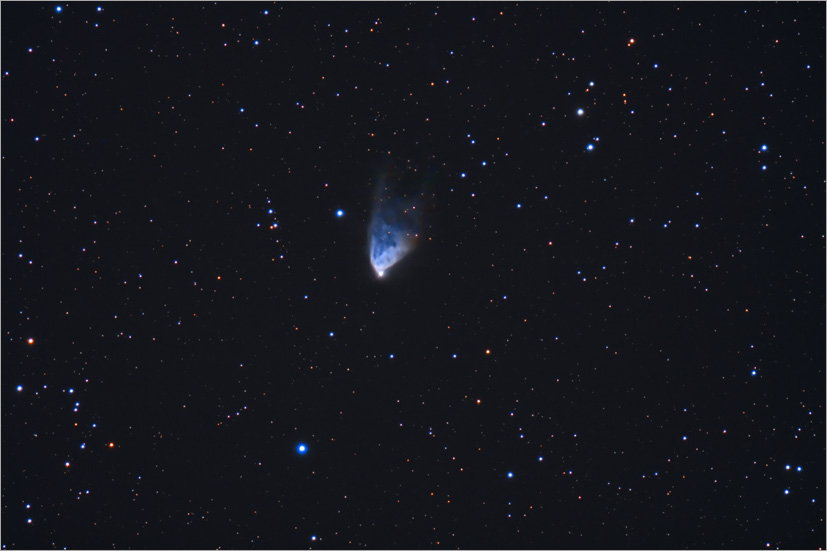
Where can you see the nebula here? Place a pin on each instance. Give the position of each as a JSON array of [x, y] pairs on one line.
[[395, 220], [391, 237]]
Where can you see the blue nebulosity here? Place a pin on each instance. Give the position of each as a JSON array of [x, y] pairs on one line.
[[395, 220], [390, 238]]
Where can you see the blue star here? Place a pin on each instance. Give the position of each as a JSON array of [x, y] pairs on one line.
[[510, 475], [340, 213], [302, 449]]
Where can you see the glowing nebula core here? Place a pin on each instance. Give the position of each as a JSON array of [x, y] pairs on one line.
[[390, 237], [395, 221]]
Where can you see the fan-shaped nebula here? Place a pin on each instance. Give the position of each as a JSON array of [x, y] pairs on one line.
[[391, 236], [394, 223]]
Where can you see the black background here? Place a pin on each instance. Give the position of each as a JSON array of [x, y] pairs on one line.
[[603, 309]]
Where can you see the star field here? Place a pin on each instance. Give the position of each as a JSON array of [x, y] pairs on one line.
[[607, 329]]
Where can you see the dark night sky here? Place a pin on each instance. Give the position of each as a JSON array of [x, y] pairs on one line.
[[609, 332]]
